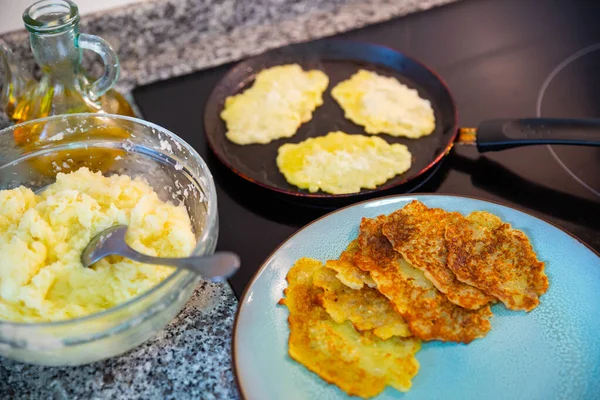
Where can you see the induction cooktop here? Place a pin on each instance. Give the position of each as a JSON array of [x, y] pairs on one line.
[[501, 59]]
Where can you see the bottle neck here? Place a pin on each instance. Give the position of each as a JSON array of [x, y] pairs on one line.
[[53, 27], [57, 53]]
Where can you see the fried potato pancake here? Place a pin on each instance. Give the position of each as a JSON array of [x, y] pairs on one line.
[[366, 309], [358, 363], [429, 314], [487, 253], [417, 232], [281, 99], [340, 163], [384, 105], [348, 273]]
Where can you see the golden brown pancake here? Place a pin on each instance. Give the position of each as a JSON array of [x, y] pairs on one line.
[[487, 253], [366, 309], [429, 314], [358, 363], [417, 232], [348, 273]]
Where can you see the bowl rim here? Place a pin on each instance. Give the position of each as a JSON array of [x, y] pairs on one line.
[[211, 223]]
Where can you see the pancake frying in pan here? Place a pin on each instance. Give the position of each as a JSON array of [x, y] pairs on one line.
[[339, 60]]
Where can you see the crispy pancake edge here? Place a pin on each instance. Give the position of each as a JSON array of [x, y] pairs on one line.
[[416, 232], [501, 237], [378, 257]]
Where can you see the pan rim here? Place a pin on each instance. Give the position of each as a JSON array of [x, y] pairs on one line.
[[322, 195]]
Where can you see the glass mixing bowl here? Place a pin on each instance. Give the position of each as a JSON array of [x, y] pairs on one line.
[[32, 153]]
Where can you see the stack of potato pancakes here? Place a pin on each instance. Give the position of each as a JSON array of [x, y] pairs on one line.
[[417, 274]]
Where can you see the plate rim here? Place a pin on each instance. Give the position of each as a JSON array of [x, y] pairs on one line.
[[241, 301], [320, 194]]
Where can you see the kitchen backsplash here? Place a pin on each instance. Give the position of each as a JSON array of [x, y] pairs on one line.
[[160, 39], [12, 10]]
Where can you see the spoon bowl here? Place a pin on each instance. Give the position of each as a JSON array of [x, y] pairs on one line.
[[216, 267]]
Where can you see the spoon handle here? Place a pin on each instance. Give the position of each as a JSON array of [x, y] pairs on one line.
[[216, 267]]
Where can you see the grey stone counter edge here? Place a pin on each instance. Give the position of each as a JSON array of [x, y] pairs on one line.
[[162, 39]]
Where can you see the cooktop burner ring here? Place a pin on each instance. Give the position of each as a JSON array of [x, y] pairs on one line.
[[561, 66]]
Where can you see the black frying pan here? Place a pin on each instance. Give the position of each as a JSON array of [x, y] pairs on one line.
[[340, 59]]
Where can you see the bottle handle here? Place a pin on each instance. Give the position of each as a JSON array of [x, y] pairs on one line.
[[111, 64]]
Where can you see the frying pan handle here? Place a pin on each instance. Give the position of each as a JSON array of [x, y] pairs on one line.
[[503, 134]]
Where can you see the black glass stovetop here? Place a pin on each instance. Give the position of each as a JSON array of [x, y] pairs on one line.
[[501, 59]]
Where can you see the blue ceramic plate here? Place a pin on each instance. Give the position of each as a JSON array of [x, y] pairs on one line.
[[552, 352]]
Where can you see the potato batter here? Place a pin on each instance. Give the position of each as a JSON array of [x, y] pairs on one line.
[[339, 163], [280, 100], [384, 105], [42, 237]]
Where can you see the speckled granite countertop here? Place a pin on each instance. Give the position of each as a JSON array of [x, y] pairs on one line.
[[157, 40], [190, 358]]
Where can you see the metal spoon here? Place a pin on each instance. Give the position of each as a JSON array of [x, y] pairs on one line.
[[216, 267]]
